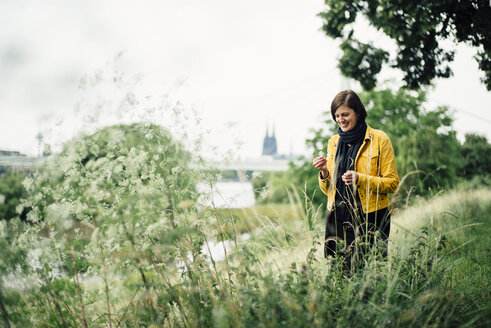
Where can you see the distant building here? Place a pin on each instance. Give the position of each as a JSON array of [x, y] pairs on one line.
[[270, 161], [270, 147], [10, 153], [16, 161]]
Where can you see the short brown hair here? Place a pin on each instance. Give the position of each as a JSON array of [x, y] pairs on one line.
[[350, 99]]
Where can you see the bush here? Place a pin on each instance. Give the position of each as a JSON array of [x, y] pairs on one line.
[[112, 173], [110, 205], [11, 193], [476, 156]]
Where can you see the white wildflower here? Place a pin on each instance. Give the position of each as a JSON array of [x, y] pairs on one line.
[[2, 229], [257, 174], [18, 209]]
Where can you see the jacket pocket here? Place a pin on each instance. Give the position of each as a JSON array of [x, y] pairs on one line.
[[368, 163]]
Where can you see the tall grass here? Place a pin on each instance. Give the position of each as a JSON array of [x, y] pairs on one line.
[[437, 274]]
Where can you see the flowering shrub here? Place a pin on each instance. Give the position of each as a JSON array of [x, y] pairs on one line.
[[112, 204], [101, 177]]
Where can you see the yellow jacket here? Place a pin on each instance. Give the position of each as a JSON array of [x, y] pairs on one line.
[[375, 164]]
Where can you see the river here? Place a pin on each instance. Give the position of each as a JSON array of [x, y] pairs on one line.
[[232, 194]]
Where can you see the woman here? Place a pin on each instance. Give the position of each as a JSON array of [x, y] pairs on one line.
[[358, 173]]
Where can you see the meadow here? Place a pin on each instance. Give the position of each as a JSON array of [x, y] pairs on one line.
[[437, 273], [114, 237]]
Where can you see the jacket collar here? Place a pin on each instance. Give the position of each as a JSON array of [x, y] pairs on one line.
[[369, 133]]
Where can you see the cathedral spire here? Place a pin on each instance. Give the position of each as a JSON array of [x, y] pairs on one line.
[[269, 143]]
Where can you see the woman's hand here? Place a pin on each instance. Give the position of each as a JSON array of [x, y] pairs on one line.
[[350, 177], [320, 163]]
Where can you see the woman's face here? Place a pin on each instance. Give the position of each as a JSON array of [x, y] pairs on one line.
[[346, 118]]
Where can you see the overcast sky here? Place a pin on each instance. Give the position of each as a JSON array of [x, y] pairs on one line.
[[240, 64]]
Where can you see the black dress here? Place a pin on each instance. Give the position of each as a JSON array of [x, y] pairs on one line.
[[347, 222], [355, 228]]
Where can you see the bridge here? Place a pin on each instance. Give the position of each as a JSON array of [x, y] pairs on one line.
[[242, 168], [256, 164], [259, 164], [19, 163]]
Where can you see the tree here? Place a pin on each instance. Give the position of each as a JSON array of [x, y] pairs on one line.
[[418, 28], [418, 136], [476, 155]]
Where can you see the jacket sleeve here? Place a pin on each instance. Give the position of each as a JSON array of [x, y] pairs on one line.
[[325, 183], [388, 179]]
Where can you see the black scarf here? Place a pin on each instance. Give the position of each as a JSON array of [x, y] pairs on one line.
[[345, 158]]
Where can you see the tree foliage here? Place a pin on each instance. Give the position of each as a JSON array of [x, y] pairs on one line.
[[418, 28], [418, 136], [11, 193], [271, 187], [476, 155]]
